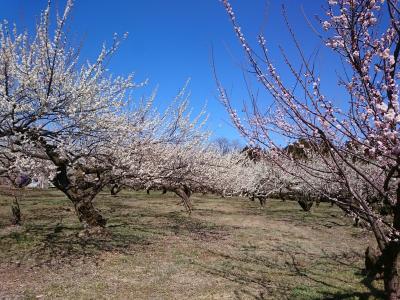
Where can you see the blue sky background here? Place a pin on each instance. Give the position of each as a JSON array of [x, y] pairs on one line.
[[170, 41]]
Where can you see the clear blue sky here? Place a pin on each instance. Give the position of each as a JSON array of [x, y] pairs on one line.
[[170, 41]]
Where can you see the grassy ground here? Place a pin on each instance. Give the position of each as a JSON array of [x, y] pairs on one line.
[[227, 249]]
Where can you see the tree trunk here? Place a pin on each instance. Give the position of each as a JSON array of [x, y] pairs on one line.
[[391, 256], [185, 193], [81, 194], [281, 195], [87, 214], [263, 200], [115, 189], [16, 212], [305, 204], [391, 271], [372, 259]]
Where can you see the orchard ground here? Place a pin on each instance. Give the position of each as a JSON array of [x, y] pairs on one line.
[[227, 249]]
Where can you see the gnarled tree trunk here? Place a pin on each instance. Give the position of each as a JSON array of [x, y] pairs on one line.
[[185, 193], [81, 193], [391, 255], [87, 214], [19, 183], [305, 204], [115, 189]]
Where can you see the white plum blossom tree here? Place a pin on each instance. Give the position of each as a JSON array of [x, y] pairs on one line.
[[76, 119]]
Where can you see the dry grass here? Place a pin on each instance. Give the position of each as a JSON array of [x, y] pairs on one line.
[[227, 249]]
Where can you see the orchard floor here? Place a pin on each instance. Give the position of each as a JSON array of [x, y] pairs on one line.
[[227, 249]]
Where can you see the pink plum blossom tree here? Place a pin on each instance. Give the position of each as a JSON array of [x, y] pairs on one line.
[[353, 147]]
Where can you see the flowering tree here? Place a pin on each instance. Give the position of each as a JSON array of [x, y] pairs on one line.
[[356, 146], [165, 152], [77, 120], [185, 168], [226, 146]]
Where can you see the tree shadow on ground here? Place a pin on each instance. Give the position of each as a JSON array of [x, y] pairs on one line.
[[171, 222], [267, 276], [59, 244], [184, 225]]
